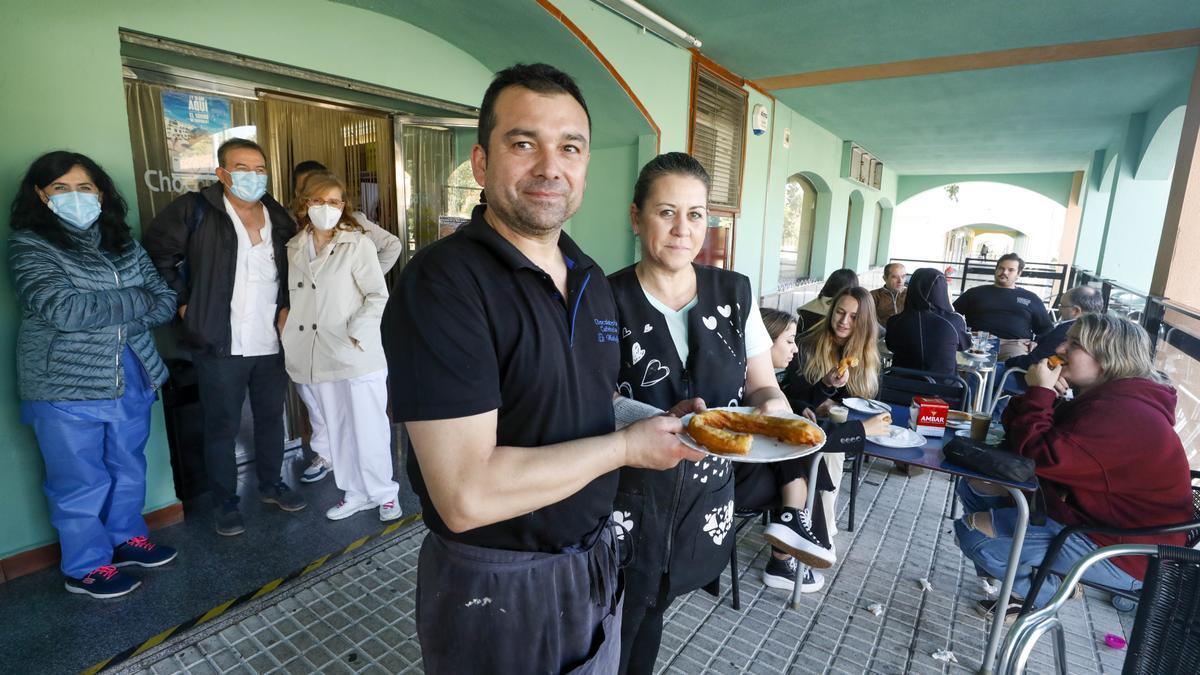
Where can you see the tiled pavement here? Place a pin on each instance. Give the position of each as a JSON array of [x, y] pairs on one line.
[[357, 616]]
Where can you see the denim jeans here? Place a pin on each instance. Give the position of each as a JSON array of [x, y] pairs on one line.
[[990, 554]]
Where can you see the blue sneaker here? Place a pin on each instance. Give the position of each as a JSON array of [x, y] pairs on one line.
[[103, 582], [316, 471], [141, 553]]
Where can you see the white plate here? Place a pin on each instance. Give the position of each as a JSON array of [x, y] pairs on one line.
[[972, 354], [899, 437], [955, 424], [866, 405], [764, 449]]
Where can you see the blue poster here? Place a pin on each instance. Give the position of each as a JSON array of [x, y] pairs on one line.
[[193, 125]]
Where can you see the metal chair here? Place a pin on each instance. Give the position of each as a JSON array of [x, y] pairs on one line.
[[1166, 629], [1045, 569], [742, 518], [999, 393]]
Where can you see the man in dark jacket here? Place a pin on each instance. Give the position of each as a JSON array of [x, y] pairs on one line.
[[1075, 303], [1012, 314], [223, 251]]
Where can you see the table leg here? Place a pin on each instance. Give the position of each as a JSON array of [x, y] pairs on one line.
[[808, 504], [1010, 574]]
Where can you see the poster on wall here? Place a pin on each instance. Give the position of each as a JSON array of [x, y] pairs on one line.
[[194, 128]]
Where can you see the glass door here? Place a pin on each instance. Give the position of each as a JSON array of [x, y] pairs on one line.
[[437, 189]]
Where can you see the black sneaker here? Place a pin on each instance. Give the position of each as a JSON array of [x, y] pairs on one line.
[[791, 531], [103, 582], [986, 608], [282, 496], [229, 522], [782, 574], [140, 552]]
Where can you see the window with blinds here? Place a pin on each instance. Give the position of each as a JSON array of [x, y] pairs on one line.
[[718, 135]]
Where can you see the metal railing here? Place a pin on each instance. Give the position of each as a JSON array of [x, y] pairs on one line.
[[1174, 331]]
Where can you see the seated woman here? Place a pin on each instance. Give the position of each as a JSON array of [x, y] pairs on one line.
[[927, 334], [849, 330], [811, 313], [793, 532], [1109, 457]]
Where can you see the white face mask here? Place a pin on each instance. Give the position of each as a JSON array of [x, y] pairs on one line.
[[324, 217]]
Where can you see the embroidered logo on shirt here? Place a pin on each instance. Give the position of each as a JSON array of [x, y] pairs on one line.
[[606, 330], [1023, 301]]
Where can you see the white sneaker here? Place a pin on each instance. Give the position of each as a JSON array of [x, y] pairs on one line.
[[390, 511], [345, 509], [316, 471]]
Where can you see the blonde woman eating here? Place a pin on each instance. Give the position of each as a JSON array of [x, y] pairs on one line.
[[332, 348], [849, 331]]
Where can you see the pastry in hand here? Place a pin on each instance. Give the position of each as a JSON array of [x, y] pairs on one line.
[[846, 364], [1055, 361]]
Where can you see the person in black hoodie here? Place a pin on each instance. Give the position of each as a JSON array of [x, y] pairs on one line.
[[691, 336], [928, 334]]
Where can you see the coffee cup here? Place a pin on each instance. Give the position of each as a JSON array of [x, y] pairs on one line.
[[839, 414], [980, 423]]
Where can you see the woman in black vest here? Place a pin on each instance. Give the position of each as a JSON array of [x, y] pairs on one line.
[[690, 335]]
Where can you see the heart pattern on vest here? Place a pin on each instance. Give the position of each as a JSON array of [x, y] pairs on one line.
[[625, 390], [638, 353], [625, 332], [724, 310], [710, 322], [647, 328], [655, 372]]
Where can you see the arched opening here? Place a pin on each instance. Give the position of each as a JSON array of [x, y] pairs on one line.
[[881, 250], [854, 223], [949, 223], [799, 225]]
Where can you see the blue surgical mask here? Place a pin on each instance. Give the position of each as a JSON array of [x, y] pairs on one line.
[[80, 209], [248, 186]]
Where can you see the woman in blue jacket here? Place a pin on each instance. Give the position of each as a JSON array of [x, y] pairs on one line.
[[87, 367]]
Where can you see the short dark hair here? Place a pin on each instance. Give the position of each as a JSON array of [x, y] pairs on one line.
[[29, 212], [235, 144], [1087, 299], [838, 281], [307, 166], [667, 164], [1012, 256], [887, 269], [536, 77]]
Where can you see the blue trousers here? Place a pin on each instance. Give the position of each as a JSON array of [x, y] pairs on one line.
[[95, 468], [990, 554]]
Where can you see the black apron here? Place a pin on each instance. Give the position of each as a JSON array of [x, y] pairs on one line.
[[487, 610], [680, 521]]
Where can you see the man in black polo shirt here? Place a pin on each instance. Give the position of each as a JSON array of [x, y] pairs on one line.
[[1012, 314], [504, 357]]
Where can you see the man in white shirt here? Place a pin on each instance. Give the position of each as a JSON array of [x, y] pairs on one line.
[[222, 250]]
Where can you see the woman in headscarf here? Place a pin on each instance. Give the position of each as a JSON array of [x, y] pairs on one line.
[[928, 334]]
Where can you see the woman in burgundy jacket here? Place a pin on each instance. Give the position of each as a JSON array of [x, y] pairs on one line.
[[1109, 457]]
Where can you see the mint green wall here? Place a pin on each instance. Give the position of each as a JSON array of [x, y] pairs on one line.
[[1135, 216], [1097, 193], [601, 226], [657, 72], [71, 96], [753, 223]]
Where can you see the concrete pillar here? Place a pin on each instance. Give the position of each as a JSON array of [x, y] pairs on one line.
[[1174, 269], [1070, 235]]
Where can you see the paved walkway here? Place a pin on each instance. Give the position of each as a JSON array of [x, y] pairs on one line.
[[357, 615]]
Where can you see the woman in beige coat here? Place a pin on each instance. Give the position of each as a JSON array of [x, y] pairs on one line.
[[332, 348]]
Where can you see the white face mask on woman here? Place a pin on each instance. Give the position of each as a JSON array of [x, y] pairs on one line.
[[324, 217]]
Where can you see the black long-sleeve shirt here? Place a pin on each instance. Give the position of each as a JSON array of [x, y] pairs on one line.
[[1007, 313]]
